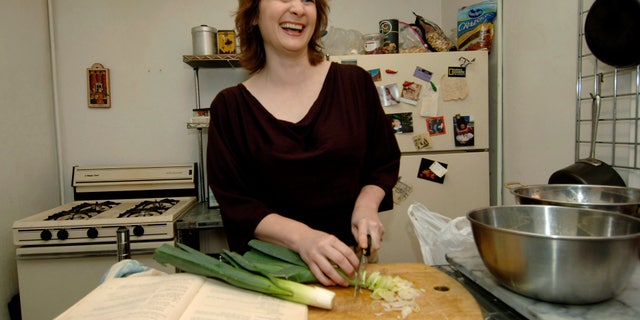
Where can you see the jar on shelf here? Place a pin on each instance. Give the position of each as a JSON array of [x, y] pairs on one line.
[[202, 39], [372, 43]]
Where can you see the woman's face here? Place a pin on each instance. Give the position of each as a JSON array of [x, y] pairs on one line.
[[287, 25]]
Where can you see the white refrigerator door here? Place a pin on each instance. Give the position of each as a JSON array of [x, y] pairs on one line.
[[396, 69], [465, 188]]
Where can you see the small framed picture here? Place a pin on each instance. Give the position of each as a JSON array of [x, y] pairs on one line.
[[98, 87]]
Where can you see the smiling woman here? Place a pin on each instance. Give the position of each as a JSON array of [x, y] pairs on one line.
[[300, 154], [253, 56]]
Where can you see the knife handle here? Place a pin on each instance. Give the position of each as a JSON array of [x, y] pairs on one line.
[[368, 251]]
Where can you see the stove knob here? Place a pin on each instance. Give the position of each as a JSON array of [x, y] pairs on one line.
[[45, 235], [138, 231], [92, 233], [62, 234]]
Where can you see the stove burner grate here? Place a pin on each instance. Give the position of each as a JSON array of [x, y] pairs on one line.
[[83, 211], [149, 208]]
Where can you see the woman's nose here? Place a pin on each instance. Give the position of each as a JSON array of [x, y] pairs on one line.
[[296, 7]]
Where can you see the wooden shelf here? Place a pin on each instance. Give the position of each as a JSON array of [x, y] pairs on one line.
[[194, 125], [212, 61]]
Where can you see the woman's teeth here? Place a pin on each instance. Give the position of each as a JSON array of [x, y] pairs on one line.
[[291, 26]]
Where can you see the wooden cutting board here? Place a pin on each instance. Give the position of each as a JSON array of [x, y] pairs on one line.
[[443, 297]]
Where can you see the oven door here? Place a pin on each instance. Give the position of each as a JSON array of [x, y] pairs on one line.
[[51, 279]]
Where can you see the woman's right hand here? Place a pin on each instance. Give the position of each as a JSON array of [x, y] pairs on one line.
[[324, 252]]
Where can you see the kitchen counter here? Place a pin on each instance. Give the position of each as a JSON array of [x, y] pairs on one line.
[[200, 217], [624, 306], [201, 228]]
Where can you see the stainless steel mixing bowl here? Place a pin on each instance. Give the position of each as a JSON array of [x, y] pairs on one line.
[[558, 254], [610, 198]]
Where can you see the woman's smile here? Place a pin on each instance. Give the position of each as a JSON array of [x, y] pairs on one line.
[[292, 28]]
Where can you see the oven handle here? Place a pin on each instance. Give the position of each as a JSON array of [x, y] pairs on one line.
[[86, 251], [88, 254]]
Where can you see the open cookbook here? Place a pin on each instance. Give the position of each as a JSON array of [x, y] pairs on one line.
[[179, 296]]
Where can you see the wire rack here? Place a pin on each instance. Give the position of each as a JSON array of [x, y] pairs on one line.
[[617, 142]]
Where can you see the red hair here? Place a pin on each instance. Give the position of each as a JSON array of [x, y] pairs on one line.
[[252, 52]]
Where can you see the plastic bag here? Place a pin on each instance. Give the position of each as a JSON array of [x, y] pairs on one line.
[[340, 41], [410, 40], [433, 35], [439, 235]]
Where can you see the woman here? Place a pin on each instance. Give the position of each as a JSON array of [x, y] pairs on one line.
[[300, 154]]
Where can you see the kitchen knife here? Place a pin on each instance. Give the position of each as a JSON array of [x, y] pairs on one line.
[[364, 257]]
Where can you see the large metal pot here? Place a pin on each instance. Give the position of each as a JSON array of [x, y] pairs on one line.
[[558, 254], [624, 200]]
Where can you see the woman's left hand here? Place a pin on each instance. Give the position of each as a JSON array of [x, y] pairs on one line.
[[367, 222], [365, 219]]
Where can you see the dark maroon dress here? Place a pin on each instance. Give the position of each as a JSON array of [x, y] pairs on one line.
[[310, 171]]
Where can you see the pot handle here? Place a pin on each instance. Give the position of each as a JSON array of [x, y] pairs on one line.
[[595, 115], [513, 184]]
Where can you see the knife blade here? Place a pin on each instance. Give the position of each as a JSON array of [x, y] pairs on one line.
[[364, 257]]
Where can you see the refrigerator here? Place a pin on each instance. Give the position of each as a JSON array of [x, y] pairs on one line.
[[438, 103]]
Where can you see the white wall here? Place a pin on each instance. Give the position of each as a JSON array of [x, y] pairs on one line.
[[28, 171], [540, 40]]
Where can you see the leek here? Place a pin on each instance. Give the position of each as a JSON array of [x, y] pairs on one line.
[[277, 251], [238, 274], [279, 268], [193, 261]]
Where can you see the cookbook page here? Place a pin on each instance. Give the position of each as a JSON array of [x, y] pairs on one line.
[[149, 297], [218, 300]]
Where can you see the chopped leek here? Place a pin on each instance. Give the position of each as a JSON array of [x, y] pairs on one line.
[[396, 294]]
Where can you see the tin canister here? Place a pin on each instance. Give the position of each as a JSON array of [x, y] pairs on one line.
[[389, 30], [203, 38], [226, 42]]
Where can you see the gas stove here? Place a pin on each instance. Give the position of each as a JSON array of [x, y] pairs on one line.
[[97, 221], [117, 212], [152, 199]]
